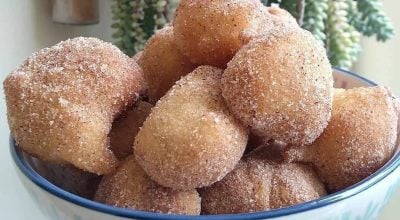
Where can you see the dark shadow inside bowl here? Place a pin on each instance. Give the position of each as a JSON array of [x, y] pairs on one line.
[[65, 176]]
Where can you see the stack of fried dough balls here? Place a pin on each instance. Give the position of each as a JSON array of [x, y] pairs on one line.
[[262, 181], [229, 109]]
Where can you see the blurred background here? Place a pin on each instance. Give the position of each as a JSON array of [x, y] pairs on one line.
[[27, 26]]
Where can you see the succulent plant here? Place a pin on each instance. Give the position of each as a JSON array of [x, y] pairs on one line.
[[339, 24], [136, 20]]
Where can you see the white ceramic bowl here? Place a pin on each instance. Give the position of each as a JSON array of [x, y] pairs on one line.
[[364, 200]]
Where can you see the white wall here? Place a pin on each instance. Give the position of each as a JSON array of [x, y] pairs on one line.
[[26, 26], [380, 61]]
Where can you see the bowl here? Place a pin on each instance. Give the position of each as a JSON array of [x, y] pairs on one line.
[[364, 200]]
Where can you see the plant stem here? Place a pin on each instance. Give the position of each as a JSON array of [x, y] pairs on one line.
[[300, 11]]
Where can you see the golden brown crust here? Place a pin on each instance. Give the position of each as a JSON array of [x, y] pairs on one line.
[[359, 139], [211, 32], [293, 184], [281, 86], [130, 187], [261, 182], [246, 189], [163, 64], [62, 100], [126, 127], [281, 18], [190, 139]]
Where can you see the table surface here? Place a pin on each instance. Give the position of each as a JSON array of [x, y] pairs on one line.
[[16, 204]]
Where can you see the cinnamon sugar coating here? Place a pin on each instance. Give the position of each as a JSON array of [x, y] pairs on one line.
[[211, 32], [163, 64], [281, 18], [360, 138], [130, 187], [262, 182], [281, 86], [190, 139], [62, 100]]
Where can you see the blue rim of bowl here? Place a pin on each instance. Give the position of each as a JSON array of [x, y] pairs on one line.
[[379, 175]]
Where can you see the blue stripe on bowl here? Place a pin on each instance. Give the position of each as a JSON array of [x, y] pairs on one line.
[[28, 171], [367, 81]]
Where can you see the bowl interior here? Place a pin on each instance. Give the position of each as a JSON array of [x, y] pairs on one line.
[[51, 178]]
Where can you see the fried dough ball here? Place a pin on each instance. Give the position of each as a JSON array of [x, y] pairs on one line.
[[246, 189], [295, 183], [281, 86], [292, 183], [130, 187], [190, 139], [281, 18], [261, 182], [62, 101], [211, 32], [163, 64], [359, 139], [126, 127]]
